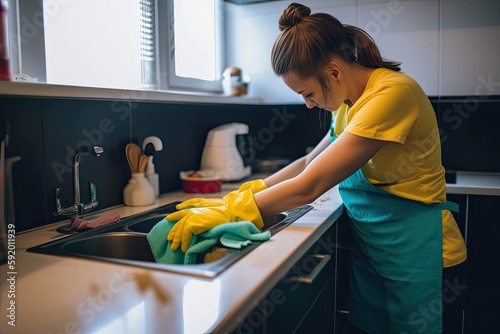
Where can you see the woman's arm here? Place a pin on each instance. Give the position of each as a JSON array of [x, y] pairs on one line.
[[338, 161], [296, 167]]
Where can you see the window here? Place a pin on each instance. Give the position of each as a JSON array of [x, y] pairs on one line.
[[193, 45], [124, 44], [90, 43]]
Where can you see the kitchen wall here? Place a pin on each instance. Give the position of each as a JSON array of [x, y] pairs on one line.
[[451, 47], [46, 132]]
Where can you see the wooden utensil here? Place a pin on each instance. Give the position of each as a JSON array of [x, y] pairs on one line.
[[143, 161], [133, 153]]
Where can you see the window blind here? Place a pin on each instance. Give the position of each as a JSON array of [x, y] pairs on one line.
[[148, 44]]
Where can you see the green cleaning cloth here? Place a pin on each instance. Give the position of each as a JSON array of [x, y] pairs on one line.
[[232, 235]]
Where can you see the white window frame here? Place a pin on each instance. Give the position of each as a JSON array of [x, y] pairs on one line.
[[167, 79]]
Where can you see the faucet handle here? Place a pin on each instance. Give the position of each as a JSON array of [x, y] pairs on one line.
[[98, 150], [74, 209], [58, 200], [93, 192], [80, 209], [93, 199]]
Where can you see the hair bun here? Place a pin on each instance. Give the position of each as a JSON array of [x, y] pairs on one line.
[[292, 15]]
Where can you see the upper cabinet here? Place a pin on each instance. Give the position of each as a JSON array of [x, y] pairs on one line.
[[470, 47], [406, 31], [450, 47]]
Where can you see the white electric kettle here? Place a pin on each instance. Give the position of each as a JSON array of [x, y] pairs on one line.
[[228, 152]]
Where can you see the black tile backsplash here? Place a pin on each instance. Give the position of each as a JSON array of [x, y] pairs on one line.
[[469, 133], [283, 131], [24, 116], [70, 126], [46, 133]]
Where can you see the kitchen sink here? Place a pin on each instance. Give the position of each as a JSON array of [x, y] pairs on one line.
[[118, 245], [126, 242]]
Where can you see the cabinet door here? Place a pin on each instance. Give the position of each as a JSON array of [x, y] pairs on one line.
[[293, 306], [343, 257], [483, 304], [320, 317], [307, 303]]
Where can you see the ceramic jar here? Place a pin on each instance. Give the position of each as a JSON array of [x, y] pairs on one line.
[[138, 191]]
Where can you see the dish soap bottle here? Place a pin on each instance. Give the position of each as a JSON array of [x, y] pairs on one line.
[[152, 176], [151, 145]]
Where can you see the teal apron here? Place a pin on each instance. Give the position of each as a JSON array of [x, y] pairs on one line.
[[396, 260]]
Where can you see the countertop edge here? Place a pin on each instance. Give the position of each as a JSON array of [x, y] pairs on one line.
[[471, 183]]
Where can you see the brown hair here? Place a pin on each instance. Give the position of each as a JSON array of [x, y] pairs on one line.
[[307, 43]]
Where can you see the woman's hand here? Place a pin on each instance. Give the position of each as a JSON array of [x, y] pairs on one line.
[[239, 207]]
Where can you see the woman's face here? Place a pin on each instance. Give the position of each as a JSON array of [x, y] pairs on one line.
[[311, 91]]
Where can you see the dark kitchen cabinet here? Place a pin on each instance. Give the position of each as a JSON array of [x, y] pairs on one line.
[[344, 240], [304, 299], [483, 229], [309, 306], [479, 219]]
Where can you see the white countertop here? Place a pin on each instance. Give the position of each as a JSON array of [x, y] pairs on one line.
[[53, 294], [469, 183]]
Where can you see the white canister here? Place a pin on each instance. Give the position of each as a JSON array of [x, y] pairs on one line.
[[232, 81], [138, 191]]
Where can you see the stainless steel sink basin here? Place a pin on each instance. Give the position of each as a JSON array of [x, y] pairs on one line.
[[144, 225], [119, 245], [126, 242]]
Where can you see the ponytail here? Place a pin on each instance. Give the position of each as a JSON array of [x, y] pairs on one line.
[[366, 51]]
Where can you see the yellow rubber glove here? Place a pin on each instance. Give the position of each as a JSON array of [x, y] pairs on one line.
[[201, 202], [239, 207], [255, 185]]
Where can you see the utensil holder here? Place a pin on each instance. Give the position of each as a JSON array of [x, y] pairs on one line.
[[138, 191]]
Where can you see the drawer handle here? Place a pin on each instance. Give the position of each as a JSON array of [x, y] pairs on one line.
[[315, 272]]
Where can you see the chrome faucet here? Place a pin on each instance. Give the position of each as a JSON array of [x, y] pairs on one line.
[[78, 209]]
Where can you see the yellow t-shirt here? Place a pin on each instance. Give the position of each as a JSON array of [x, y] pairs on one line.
[[394, 108]]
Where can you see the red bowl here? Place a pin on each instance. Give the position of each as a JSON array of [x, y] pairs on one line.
[[208, 183], [201, 186]]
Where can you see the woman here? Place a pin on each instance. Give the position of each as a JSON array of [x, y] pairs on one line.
[[384, 153]]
